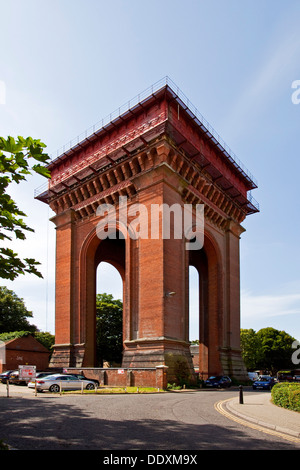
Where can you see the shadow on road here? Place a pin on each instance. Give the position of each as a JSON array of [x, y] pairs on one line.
[[49, 424]]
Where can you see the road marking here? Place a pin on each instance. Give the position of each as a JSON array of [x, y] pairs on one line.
[[219, 407]]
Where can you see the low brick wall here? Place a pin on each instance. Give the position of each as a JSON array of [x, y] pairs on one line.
[[118, 377]]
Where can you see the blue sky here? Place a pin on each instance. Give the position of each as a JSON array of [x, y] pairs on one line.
[[64, 65]]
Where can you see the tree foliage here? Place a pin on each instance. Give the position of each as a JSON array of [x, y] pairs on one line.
[[275, 349], [13, 313], [45, 338], [268, 349], [13, 335], [109, 338], [15, 159], [250, 348]]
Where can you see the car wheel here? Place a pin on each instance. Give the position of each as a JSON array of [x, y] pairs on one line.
[[54, 388], [90, 386]]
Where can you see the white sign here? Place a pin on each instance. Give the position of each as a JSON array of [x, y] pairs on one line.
[[27, 372], [120, 371]]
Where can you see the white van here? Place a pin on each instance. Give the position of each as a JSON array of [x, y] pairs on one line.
[[253, 376]]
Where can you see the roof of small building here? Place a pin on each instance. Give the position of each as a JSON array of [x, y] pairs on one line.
[[25, 343]]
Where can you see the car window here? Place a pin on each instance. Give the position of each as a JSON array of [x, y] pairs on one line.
[[72, 378]]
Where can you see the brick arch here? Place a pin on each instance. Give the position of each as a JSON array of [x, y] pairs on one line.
[[93, 252], [208, 263]]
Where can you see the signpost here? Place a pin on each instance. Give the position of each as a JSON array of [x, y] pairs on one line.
[[27, 373]]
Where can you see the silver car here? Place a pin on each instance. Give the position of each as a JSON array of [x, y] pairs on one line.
[[58, 382]]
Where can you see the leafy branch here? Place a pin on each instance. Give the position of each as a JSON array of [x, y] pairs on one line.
[[15, 158]]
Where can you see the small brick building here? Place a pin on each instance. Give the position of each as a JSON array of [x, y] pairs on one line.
[[25, 350]]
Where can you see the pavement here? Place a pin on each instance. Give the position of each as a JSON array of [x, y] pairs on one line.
[[257, 410]]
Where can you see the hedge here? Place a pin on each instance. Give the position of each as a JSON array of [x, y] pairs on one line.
[[287, 395]]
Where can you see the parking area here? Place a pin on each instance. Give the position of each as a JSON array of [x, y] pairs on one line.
[[15, 390]]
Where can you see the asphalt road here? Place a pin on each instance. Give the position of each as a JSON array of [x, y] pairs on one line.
[[161, 422]]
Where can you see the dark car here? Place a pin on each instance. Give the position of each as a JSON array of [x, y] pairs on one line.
[[264, 382], [40, 375], [5, 376], [82, 377], [14, 378], [218, 381]]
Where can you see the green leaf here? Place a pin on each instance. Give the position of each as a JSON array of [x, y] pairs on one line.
[[14, 167]]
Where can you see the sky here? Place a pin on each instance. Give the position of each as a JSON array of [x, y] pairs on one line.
[[65, 65]]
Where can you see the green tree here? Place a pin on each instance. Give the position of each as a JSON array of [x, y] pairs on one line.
[[275, 349], [109, 338], [250, 347], [45, 338], [15, 159], [13, 313], [268, 349]]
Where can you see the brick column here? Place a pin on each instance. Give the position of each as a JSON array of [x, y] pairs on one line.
[[63, 348], [161, 336], [231, 352]]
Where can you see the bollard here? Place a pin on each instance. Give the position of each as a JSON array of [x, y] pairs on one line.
[[7, 388], [241, 394]]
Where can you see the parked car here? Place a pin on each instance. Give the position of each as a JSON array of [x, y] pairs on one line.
[[253, 376], [83, 377], [219, 381], [264, 382], [57, 382], [5, 376], [40, 375], [14, 378]]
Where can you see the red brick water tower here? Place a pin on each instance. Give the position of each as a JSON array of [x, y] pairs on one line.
[[156, 150]]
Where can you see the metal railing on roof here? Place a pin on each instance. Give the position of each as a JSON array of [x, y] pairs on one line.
[[196, 115], [252, 201]]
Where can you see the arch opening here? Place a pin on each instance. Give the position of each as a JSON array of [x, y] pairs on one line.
[[194, 304], [110, 284], [98, 256], [198, 309], [109, 315]]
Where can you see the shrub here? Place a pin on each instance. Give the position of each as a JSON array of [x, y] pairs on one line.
[[295, 399], [287, 395]]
